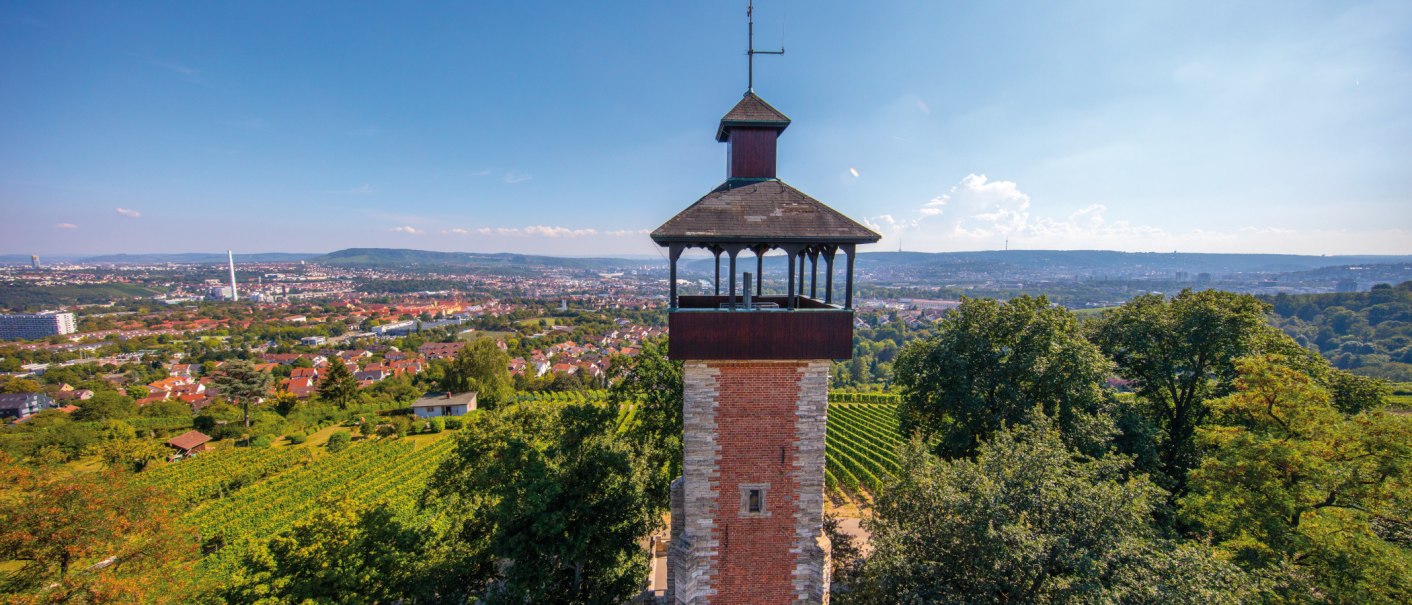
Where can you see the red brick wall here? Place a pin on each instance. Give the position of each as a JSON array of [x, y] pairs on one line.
[[756, 417]]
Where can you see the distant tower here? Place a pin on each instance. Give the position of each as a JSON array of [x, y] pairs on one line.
[[234, 295], [747, 513], [34, 262]]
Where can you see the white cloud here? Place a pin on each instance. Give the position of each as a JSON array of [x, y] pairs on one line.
[[978, 214], [482, 172], [514, 177], [922, 105], [128, 212], [456, 231], [66, 226], [408, 229], [557, 232]]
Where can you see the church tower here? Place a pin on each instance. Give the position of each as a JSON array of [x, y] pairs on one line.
[[747, 513]]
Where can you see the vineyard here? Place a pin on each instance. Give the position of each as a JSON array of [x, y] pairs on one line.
[[592, 396], [238, 496], [234, 507], [861, 447]]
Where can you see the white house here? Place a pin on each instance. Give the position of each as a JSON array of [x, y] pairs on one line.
[[444, 404]]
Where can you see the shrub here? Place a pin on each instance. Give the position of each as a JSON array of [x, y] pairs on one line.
[[339, 441], [436, 424], [261, 441], [454, 423], [401, 424], [297, 438]]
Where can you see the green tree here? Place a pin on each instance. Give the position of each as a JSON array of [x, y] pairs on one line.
[[242, 384], [104, 405], [651, 384], [1179, 353], [344, 553], [543, 505], [990, 363], [482, 367], [1029, 521], [338, 385], [1291, 482], [339, 441], [20, 385], [131, 454]]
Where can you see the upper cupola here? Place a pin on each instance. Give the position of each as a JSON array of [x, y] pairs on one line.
[[751, 129]]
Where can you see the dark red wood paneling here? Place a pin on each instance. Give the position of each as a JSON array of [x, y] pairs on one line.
[[740, 335], [752, 153]]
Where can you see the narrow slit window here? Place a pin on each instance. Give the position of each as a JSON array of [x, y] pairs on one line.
[[753, 505]]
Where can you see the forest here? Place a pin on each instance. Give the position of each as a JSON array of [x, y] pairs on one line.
[[1369, 333]]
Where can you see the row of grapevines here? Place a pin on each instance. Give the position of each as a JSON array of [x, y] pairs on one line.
[[220, 472], [861, 446], [879, 398], [563, 396], [384, 471]]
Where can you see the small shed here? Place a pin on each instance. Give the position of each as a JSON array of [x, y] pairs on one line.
[[188, 443], [444, 404]]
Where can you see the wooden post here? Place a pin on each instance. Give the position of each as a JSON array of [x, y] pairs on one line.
[[814, 274], [675, 253], [848, 287], [717, 252], [732, 252], [828, 276], [789, 295], [760, 269]]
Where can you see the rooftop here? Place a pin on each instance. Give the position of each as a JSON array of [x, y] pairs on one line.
[[761, 211], [442, 399], [751, 111]]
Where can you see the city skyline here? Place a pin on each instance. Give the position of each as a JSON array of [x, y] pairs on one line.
[[552, 129]]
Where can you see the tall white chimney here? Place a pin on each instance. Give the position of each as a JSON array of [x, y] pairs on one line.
[[234, 295]]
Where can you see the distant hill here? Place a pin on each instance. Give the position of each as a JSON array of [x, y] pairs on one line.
[[1107, 260], [195, 258], [1080, 262], [393, 257]]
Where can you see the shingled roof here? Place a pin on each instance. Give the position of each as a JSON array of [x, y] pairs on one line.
[[188, 440], [760, 211], [751, 111]]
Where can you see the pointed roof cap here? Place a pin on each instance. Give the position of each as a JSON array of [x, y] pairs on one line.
[[751, 111], [765, 211]]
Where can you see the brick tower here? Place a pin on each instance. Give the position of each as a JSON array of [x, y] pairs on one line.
[[747, 513]]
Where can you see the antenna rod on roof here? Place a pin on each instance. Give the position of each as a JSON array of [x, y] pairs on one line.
[[750, 51]]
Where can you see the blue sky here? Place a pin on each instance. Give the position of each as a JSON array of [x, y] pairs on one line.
[[574, 128]]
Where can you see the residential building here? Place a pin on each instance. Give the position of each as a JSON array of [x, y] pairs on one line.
[[444, 404], [19, 405], [26, 326]]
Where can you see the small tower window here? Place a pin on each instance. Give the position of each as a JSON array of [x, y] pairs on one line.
[[754, 499]]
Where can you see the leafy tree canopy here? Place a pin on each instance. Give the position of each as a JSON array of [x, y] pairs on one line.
[[652, 385], [544, 505], [1293, 483], [989, 363], [1179, 353], [1030, 521], [482, 367]]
